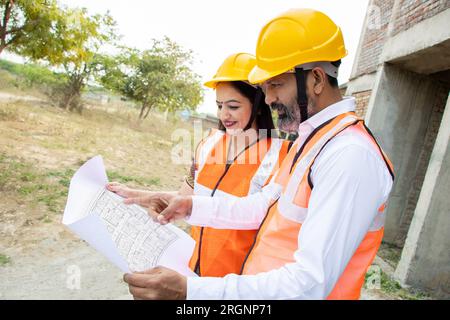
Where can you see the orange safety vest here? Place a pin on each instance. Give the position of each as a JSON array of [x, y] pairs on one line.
[[277, 238], [219, 252]]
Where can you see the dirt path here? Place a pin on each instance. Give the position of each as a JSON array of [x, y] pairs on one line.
[[49, 270], [14, 97]]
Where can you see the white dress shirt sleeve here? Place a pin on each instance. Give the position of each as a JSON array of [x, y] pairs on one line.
[[350, 183], [240, 213]]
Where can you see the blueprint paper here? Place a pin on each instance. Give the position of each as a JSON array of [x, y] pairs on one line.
[[125, 234]]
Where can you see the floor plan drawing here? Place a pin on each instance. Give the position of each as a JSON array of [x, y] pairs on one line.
[[123, 234], [140, 241]]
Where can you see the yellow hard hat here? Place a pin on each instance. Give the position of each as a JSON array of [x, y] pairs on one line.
[[235, 68], [296, 37]]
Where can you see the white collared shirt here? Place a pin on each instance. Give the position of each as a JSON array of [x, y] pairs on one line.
[[351, 181]]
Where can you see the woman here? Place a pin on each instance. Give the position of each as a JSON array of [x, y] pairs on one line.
[[235, 160]]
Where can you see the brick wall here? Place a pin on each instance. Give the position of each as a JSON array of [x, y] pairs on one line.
[[412, 12], [437, 109], [377, 22], [378, 17], [362, 101]]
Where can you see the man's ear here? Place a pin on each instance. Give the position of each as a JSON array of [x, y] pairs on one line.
[[319, 80]]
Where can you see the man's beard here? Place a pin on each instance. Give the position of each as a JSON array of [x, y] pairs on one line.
[[289, 119]]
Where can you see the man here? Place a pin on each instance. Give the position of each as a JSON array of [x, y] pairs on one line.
[[321, 218]]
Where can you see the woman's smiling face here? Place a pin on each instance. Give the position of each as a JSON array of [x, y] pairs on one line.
[[234, 109]]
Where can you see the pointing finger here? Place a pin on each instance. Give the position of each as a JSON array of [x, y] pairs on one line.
[[162, 219], [167, 214]]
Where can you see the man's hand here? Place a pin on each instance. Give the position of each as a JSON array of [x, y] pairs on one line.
[[179, 207], [155, 202], [157, 284], [164, 207]]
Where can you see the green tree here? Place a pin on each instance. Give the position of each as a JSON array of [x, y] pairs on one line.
[[82, 36], [30, 28], [158, 78], [66, 38]]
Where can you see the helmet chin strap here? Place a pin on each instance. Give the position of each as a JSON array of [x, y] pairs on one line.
[[258, 97], [300, 76]]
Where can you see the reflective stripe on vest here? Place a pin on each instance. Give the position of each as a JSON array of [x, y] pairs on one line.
[[205, 147], [277, 239], [220, 252]]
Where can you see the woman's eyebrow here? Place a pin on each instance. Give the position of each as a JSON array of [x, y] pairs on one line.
[[228, 101]]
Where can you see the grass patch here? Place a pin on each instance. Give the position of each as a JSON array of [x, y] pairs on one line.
[[4, 259], [389, 285], [26, 190], [55, 145], [146, 182], [392, 287], [27, 75], [45, 219], [390, 253], [4, 178], [49, 188], [6, 114], [52, 201], [63, 176], [28, 176], [10, 171]]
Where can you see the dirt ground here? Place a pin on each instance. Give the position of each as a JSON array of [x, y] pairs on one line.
[[40, 148]]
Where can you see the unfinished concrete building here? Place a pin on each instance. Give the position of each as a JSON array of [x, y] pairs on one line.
[[401, 81]]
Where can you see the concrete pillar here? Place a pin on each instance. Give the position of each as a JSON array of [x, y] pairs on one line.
[[425, 260], [400, 114]]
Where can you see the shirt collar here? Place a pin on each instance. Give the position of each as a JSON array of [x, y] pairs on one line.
[[345, 105]]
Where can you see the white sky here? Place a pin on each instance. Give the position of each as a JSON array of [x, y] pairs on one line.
[[214, 29]]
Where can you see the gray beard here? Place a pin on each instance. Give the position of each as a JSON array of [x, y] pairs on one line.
[[288, 121]]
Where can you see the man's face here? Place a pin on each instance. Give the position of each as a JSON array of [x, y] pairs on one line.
[[281, 95]]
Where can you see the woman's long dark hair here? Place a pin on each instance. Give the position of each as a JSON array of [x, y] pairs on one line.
[[260, 110]]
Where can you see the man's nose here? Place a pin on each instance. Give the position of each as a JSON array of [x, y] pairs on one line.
[[270, 97]]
